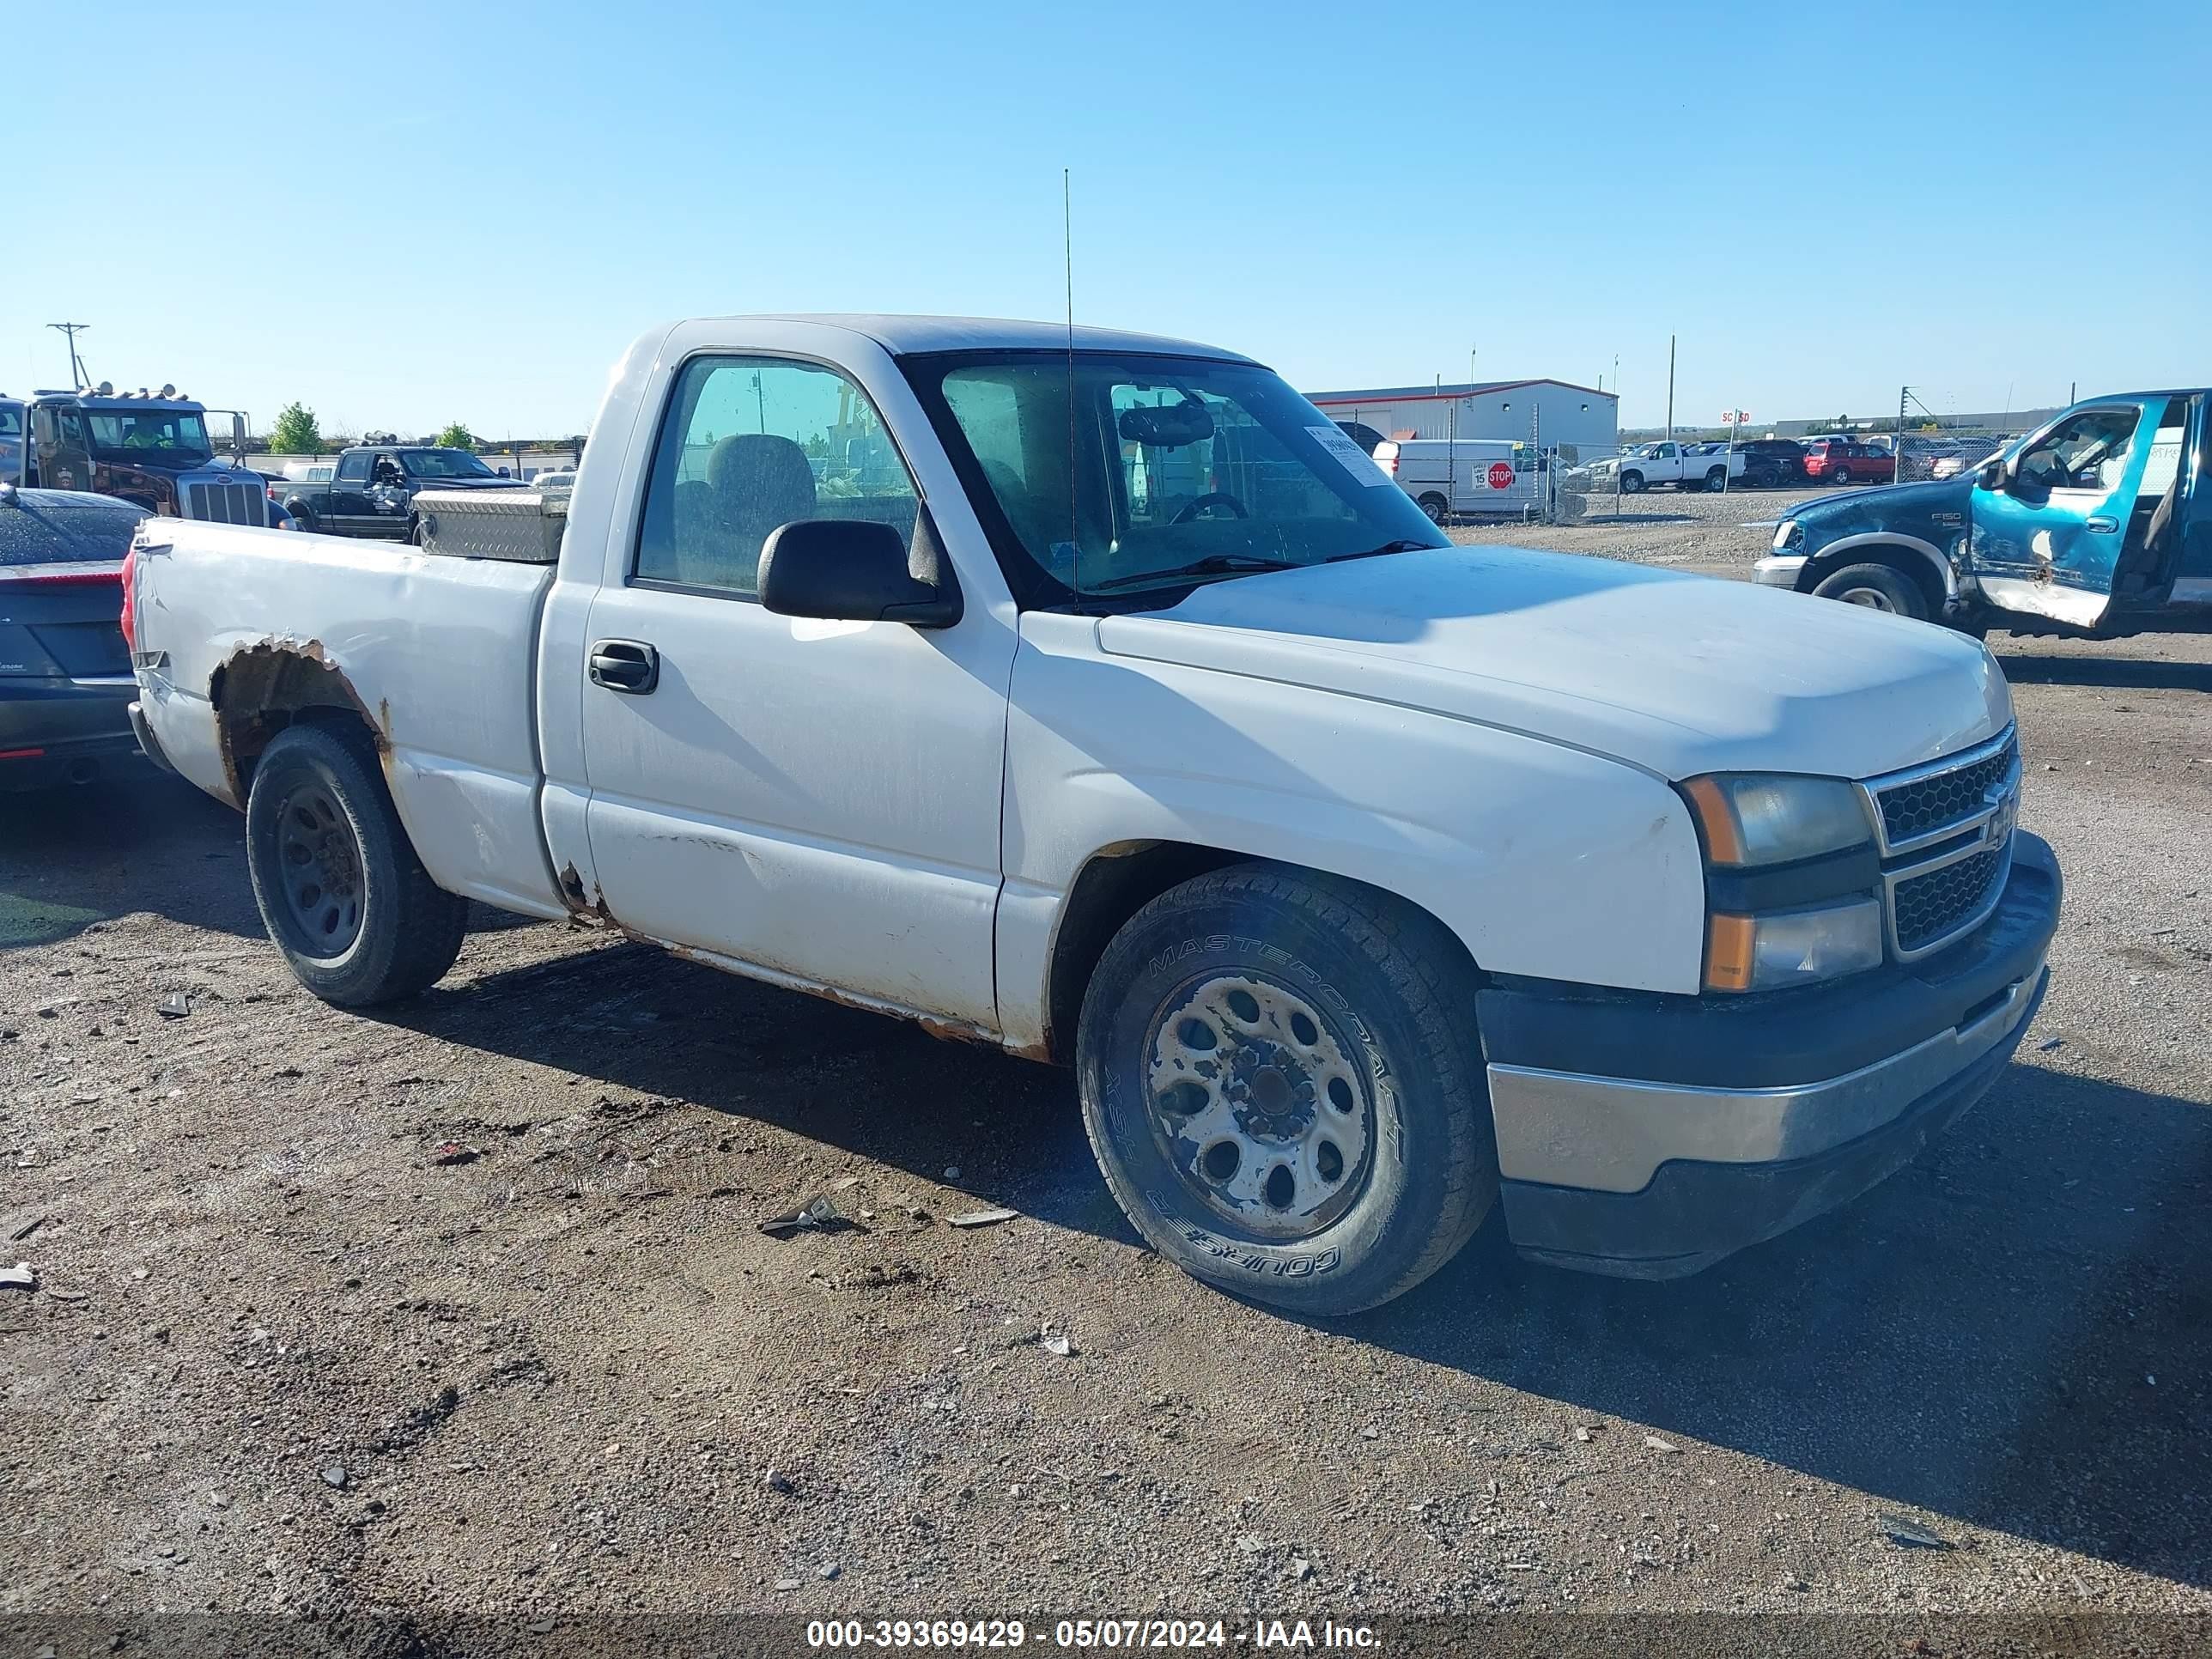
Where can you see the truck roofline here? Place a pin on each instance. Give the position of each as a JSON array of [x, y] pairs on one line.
[[906, 336]]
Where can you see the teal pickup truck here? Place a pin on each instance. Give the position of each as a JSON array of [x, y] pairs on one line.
[[2099, 522]]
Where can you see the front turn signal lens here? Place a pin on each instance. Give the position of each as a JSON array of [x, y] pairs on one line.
[[1730, 944], [1783, 948]]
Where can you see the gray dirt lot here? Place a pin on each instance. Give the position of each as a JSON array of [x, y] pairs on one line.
[[281, 1359]]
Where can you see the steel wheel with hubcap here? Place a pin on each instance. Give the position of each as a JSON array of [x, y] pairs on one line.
[[1256, 1104], [338, 884], [318, 869], [1437, 507], [1281, 1078]]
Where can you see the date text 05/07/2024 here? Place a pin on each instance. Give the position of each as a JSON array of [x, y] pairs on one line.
[[1088, 1634]]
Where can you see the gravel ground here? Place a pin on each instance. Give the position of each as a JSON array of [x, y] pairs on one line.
[[289, 1354]]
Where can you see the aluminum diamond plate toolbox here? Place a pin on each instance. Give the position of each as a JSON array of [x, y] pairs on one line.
[[522, 527]]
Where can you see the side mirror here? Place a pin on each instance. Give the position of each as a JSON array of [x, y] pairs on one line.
[[856, 570], [238, 436], [1992, 474]]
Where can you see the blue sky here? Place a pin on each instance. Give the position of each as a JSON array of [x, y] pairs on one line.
[[402, 214]]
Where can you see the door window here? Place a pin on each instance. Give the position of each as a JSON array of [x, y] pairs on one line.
[[2088, 450], [354, 469], [750, 444]]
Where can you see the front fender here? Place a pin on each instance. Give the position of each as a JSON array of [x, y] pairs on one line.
[[1545, 860], [1849, 550]]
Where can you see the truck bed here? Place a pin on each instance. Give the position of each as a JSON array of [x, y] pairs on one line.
[[447, 643]]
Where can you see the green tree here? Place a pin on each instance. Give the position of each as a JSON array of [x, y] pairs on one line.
[[457, 436], [294, 432]]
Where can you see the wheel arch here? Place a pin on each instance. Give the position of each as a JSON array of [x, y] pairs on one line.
[[262, 688], [1118, 880], [1921, 560]]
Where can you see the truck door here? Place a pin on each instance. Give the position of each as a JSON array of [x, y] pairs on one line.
[[2192, 551], [2050, 524], [347, 508], [819, 800], [60, 454]]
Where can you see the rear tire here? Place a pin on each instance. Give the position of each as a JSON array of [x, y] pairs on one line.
[[1716, 480], [1339, 1149], [302, 519], [339, 887], [1437, 507], [1878, 587]]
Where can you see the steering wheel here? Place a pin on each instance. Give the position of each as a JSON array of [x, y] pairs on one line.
[[1211, 498]]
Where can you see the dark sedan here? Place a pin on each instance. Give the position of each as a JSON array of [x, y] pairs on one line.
[[66, 681]]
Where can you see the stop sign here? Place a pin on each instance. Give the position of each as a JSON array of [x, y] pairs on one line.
[[1501, 474]]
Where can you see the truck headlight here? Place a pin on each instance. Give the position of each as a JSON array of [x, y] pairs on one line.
[[1785, 534], [1748, 819], [1791, 875]]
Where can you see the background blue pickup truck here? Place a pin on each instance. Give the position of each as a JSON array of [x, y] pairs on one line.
[[2098, 522]]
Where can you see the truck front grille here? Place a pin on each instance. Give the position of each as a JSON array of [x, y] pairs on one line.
[[1945, 832], [1932, 906], [227, 503], [1932, 802]]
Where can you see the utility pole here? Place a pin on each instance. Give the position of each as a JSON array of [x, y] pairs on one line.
[[76, 363], [1670, 388], [1897, 443]]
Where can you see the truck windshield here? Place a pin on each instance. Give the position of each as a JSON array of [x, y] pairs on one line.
[[124, 434], [1177, 463], [447, 463]]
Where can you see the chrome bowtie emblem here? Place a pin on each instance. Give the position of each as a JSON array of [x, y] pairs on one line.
[[2004, 813]]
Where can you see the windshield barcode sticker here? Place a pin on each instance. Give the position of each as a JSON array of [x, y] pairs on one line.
[[1356, 461]]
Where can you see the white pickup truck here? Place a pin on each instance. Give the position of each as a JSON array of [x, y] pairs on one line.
[[1649, 464], [1096, 698]]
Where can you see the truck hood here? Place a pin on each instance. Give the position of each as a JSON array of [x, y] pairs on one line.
[[1881, 505], [1674, 673]]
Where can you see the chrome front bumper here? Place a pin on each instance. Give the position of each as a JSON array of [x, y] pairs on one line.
[[1779, 570], [1612, 1134], [1651, 1136]]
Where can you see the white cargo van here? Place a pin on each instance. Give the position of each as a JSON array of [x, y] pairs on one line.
[[1450, 478]]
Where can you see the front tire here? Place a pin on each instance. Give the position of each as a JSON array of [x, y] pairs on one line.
[[1631, 483], [1280, 1079], [1878, 587], [339, 887]]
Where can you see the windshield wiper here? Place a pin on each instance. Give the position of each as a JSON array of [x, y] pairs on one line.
[[1403, 544], [1213, 564]]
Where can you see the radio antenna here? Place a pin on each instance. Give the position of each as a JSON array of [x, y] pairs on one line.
[[1067, 263]]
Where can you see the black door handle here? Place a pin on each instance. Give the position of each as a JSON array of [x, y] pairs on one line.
[[630, 665]]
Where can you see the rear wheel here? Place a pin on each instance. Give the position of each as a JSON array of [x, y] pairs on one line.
[[1878, 587], [1280, 1079], [303, 520], [339, 887], [1716, 480], [1437, 507]]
